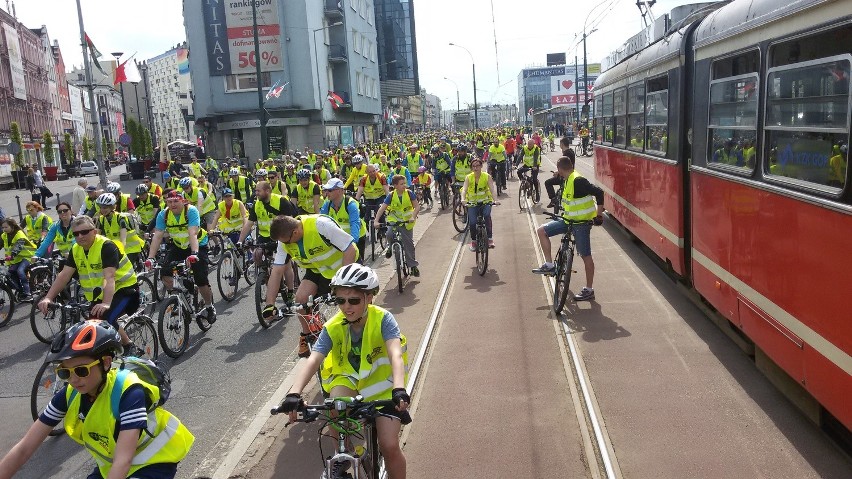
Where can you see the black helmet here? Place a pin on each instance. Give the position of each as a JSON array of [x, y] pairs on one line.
[[90, 338]]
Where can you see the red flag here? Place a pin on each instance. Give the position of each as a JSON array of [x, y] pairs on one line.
[[127, 72], [335, 100]]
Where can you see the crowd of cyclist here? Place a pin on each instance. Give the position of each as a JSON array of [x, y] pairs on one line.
[[310, 207]]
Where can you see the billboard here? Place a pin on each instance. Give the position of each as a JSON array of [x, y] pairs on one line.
[[16, 62], [555, 59], [229, 28]]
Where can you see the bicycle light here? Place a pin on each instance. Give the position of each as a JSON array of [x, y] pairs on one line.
[[340, 405]]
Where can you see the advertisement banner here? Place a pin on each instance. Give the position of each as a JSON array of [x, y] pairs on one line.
[[16, 62], [230, 37], [563, 89], [346, 135]]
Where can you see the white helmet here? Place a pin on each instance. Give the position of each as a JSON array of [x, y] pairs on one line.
[[113, 187], [106, 199], [234, 172], [261, 172], [355, 276]]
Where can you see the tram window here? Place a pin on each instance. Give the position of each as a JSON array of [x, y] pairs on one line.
[[811, 157], [738, 65], [598, 124], [814, 95], [607, 114], [656, 122], [819, 45], [619, 110], [733, 121], [636, 116]]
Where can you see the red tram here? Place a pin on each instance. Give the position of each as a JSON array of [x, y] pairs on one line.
[[723, 146]]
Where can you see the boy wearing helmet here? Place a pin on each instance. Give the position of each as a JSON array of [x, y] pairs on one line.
[[240, 185], [148, 205], [307, 193], [424, 179], [123, 202], [358, 171], [361, 351], [110, 412]]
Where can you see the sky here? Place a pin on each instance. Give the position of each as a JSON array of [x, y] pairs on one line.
[[526, 31]]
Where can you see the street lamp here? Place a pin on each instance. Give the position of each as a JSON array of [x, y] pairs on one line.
[[319, 90], [458, 104], [475, 104]]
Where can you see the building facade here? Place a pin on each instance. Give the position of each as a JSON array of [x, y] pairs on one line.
[[319, 55], [66, 119], [25, 95], [170, 84], [107, 102], [397, 53], [432, 111]]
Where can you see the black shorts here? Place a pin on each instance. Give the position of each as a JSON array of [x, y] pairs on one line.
[[323, 283], [199, 269]]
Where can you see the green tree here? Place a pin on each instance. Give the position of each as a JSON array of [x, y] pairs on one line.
[[137, 141], [105, 148], [111, 147], [69, 149], [86, 148], [15, 137], [149, 146], [47, 149]]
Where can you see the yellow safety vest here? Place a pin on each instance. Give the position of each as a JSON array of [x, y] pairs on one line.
[[63, 242], [529, 155], [230, 219], [462, 168], [146, 208], [240, 186], [194, 169], [323, 175], [155, 190], [26, 253], [313, 251], [123, 203], [264, 218], [305, 197], [424, 180], [374, 377], [90, 207], [34, 229], [166, 439], [111, 228], [373, 189], [355, 175], [209, 203], [401, 209], [279, 188], [291, 181], [91, 271], [442, 165], [577, 209], [178, 228], [497, 153], [342, 215], [478, 191], [413, 161]]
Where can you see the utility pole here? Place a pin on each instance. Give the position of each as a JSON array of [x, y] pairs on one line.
[[577, 89], [585, 79], [264, 142], [99, 155]]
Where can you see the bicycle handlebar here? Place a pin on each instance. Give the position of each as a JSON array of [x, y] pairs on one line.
[[356, 408], [312, 301], [560, 218]]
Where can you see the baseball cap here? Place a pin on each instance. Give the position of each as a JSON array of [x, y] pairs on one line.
[[91, 188], [333, 184]]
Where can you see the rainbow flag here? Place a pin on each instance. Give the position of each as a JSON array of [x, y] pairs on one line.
[[183, 61]]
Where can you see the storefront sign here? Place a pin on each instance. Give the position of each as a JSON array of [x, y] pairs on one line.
[[242, 124]]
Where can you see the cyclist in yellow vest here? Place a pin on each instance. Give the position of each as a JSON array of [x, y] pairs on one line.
[[358, 171], [89, 207], [584, 138], [317, 244], [171, 182], [123, 202], [402, 207], [189, 243], [373, 366], [497, 160], [205, 202], [148, 205], [230, 216], [278, 186], [321, 174], [479, 192], [106, 277], [36, 222], [59, 235], [240, 185], [373, 188], [307, 193], [531, 159], [195, 169], [290, 178], [119, 228], [413, 161], [19, 253], [424, 181], [837, 166], [125, 436], [581, 202], [344, 210]]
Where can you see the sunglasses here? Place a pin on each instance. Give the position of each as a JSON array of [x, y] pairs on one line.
[[63, 211], [79, 371], [83, 233], [352, 301]]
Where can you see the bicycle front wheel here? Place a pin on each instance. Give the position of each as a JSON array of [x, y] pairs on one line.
[[250, 269], [444, 194], [564, 263], [226, 276], [260, 301], [147, 294], [140, 329], [7, 305], [215, 248], [522, 194], [459, 216], [397, 254], [173, 327], [45, 386], [45, 326], [481, 250]]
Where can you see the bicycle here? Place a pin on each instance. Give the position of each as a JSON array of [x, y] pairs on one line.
[[350, 417], [263, 272], [395, 245], [178, 311], [376, 235], [47, 384], [43, 271], [459, 209], [564, 261], [444, 193], [215, 248], [7, 294], [498, 173], [231, 267], [527, 191], [482, 243]]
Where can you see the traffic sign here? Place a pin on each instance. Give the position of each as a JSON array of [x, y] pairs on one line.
[[124, 139], [13, 148]]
